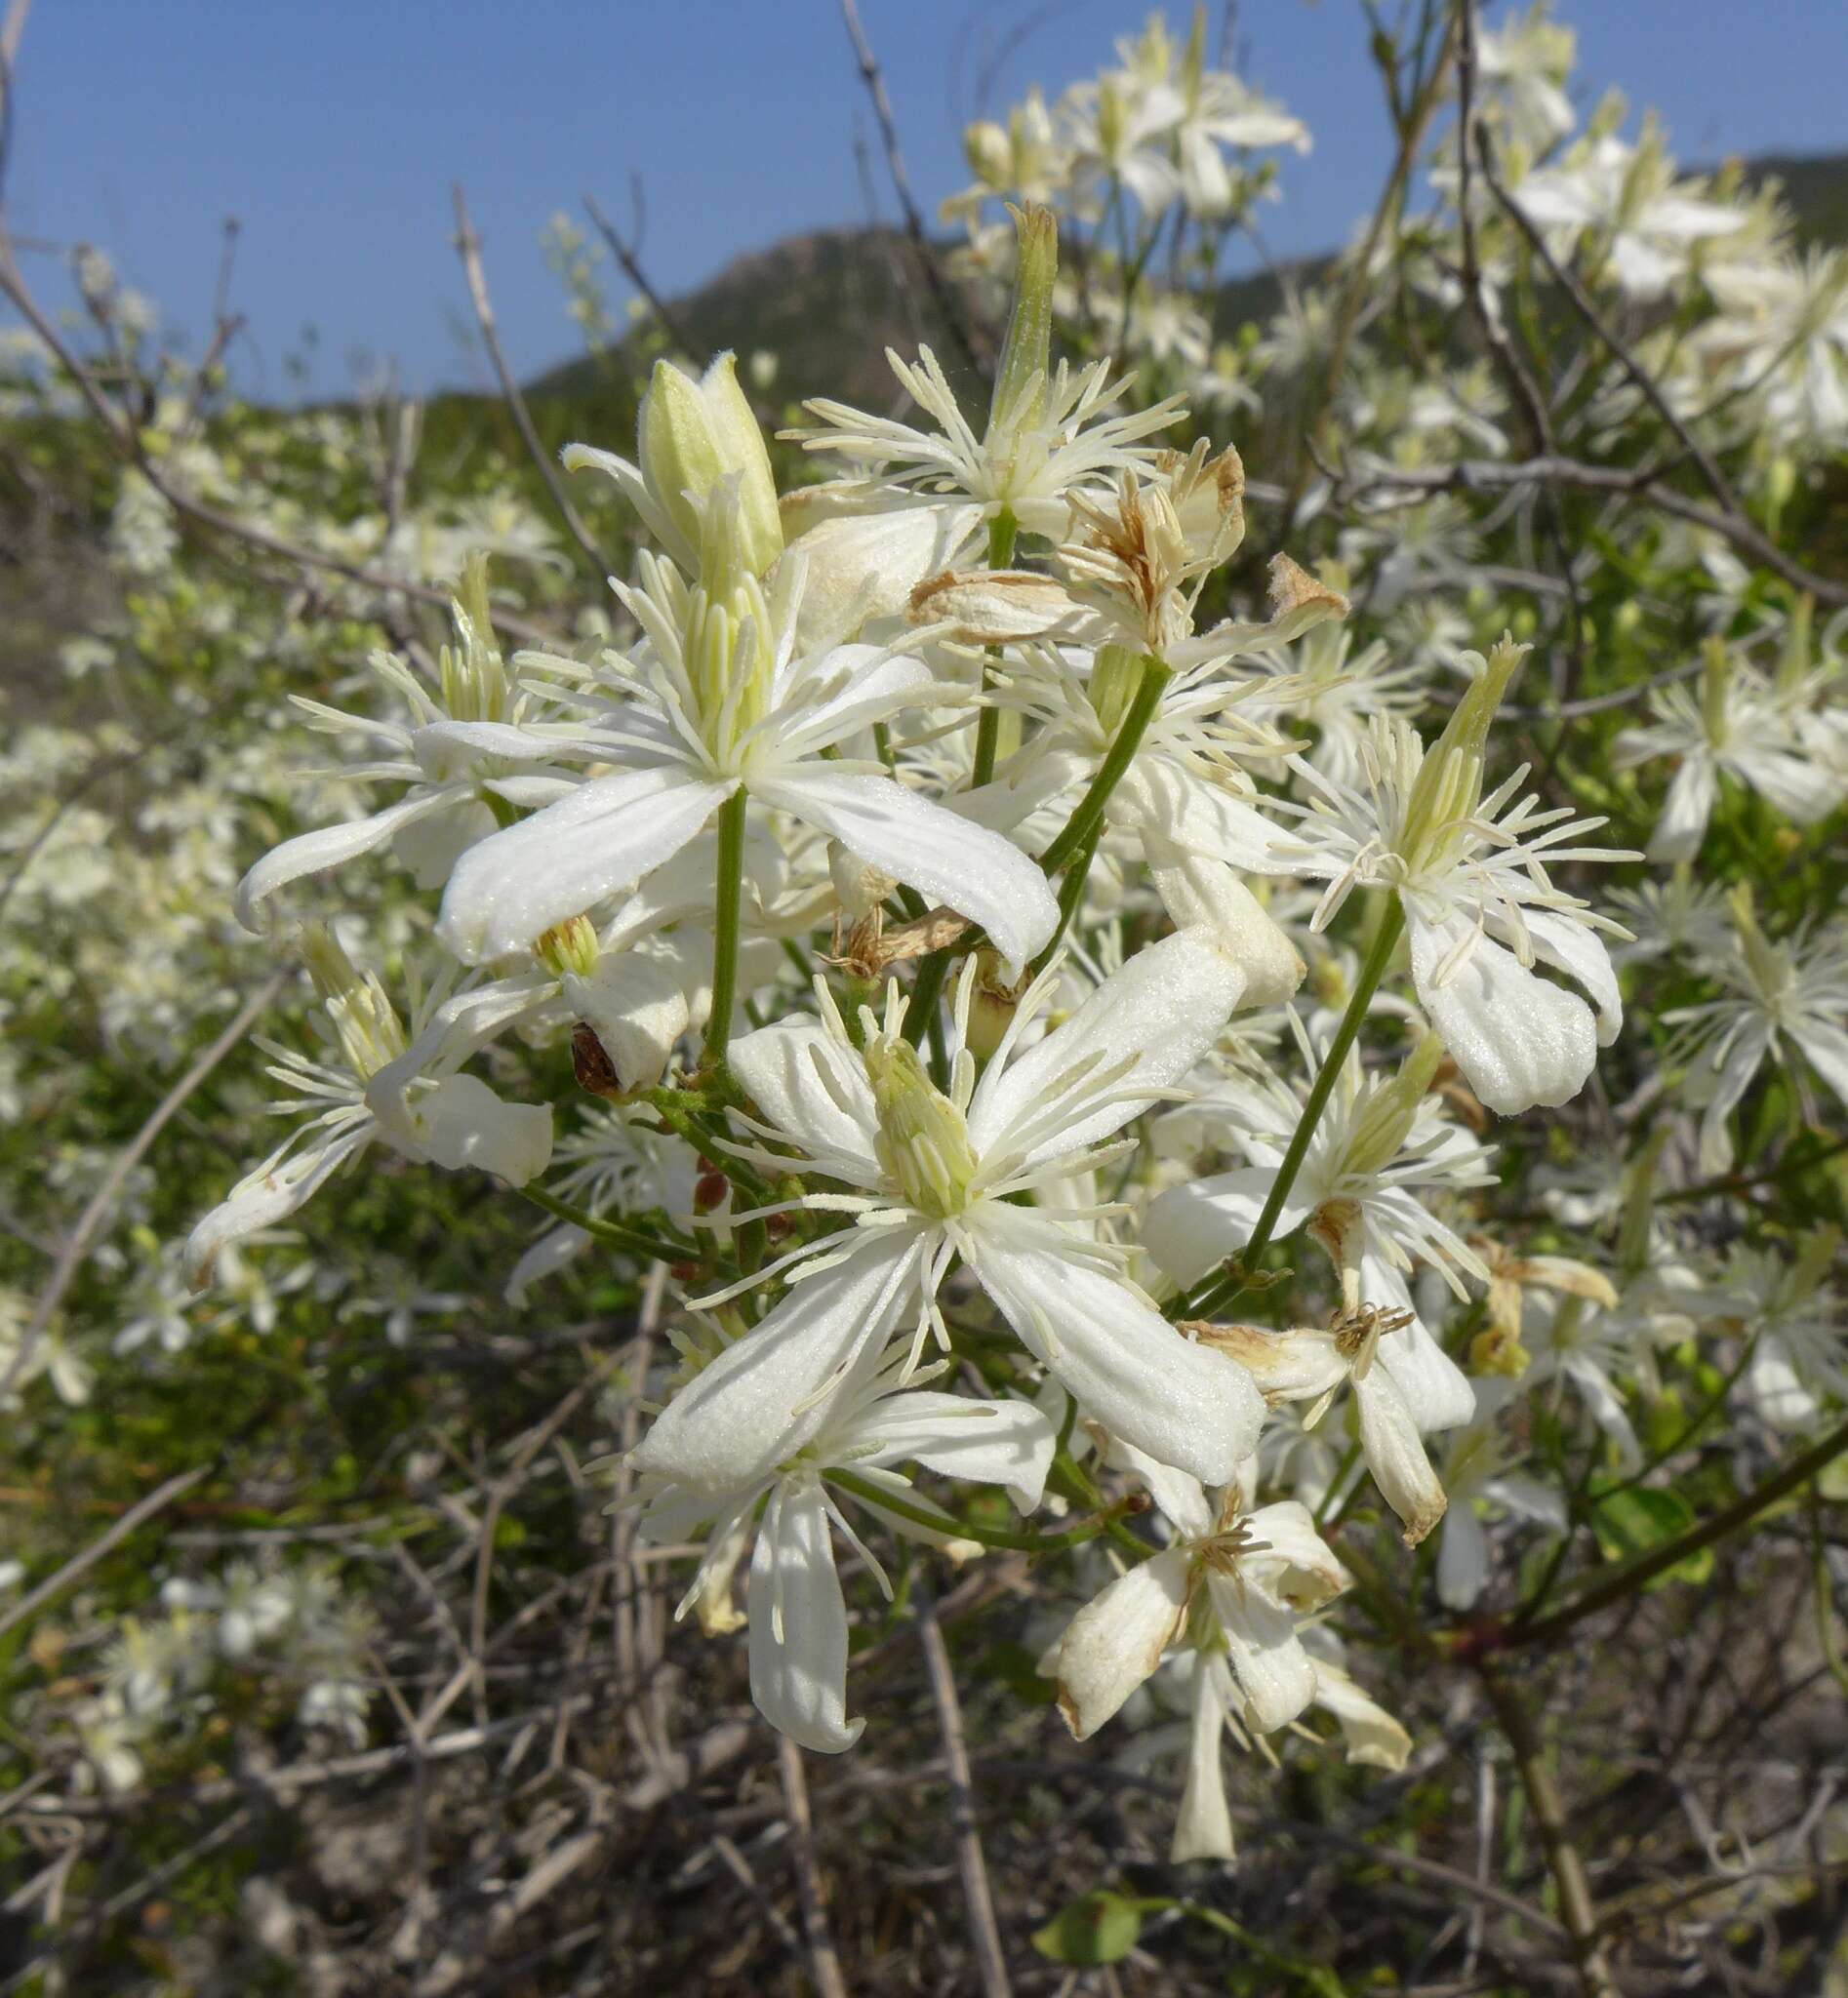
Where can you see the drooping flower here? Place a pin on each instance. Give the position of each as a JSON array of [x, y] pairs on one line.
[[797, 1612], [1231, 1584]]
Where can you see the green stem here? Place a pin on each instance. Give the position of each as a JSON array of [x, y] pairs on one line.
[[620, 1235], [1086, 820], [1070, 894], [1088, 814], [728, 897], [1001, 531], [990, 1536], [1228, 1286]]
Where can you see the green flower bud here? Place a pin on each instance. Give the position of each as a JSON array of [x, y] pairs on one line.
[[690, 435], [1020, 382]]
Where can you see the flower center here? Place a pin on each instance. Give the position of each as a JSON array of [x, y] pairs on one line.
[[923, 1142]]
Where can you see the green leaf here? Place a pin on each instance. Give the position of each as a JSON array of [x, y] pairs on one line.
[[1630, 1523], [1099, 1928]]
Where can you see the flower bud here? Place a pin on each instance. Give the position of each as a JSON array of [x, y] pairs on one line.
[[1020, 381], [693, 434]]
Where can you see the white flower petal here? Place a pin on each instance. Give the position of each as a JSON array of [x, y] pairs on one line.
[[1165, 1008], [978, 873], [1435, 1388], [798, 1626], [566, 858], [1463, 1558], [1267, 1656], [1518, 1039], [1394, 1451], [1203, 1826], [638, 1004], [1297, 1565], [1581, 954], [815, 1091], [1127, 1366], [992, 1441], [267, 1196], [1194, 890], [1373, 1736], [1191, 1226], [1115, 1642], [764, 1397], [332, 846]]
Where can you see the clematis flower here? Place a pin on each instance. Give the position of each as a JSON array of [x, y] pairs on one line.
[[1378, 1145], [931, 1179], [718, 701], [926, 498], [1738, 728], [1626, 200], [1800, 1342], [797, 1612], [1233, 1582], [472, 741], [1793, 991], [1469, 869], [388, 1085]]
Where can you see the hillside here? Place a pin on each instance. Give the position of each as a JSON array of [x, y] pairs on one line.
[[829, 304]]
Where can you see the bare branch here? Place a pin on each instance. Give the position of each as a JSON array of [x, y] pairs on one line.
[[628, 256], [469, 247], [823, 1960], [941, 292], [983, 1935]]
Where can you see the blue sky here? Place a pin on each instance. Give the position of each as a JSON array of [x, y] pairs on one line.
[[333, 131]]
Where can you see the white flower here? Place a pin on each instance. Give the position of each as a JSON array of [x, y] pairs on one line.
[[1783, 331], [719, 702], [927, 495], [388, 1085], [798, 1615], [1379, 1144], [1795, 991], [1626, 199], [932, 1176], [1795, 1326], [1468, 870], [1734, 727], [1233, 1582], [1526, 62]]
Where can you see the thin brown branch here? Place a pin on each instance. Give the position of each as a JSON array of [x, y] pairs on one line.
[[469, 247], [77, 1246], [1549, 1815], [983, 1935], [79, 1565], [628, 256], [823, 1960], [942, 293]]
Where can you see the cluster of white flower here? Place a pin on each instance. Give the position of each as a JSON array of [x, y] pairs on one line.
[[959, 1179], [157, 1676]]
